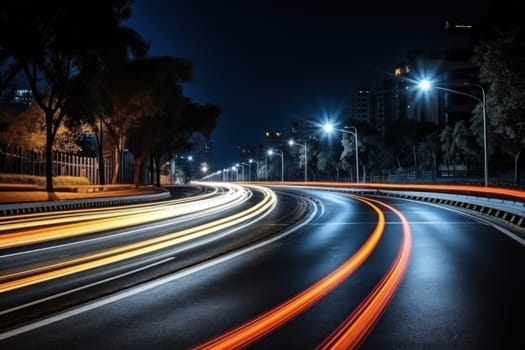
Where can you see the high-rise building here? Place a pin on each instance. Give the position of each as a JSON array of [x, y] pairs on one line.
[[362, 108], [384, 109], [247, 152], [305, 129], [274, 139]]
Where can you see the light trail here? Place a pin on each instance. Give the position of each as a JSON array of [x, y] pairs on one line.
[[29, 277], [271, 320], [22, 221], [490, 191], [237, 195], [352, 331]]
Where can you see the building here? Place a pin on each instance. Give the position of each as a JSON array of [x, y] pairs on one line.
[[13, 95], [305, 129], [274, 139], [247, 152], [362, 107], [202, 154], [384, 108]]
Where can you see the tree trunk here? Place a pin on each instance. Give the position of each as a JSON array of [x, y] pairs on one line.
[[151, 170], [116, 165], [49, 152], [157, 165], [136, 171], [101, 166], [434, 166], [517, 168], [415, 159]]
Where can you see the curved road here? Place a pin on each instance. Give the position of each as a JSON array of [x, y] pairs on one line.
[[376, 273]]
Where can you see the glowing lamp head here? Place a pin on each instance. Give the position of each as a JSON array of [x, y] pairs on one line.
[[424, 85], [328, 127], [270, 152], [291, 142]]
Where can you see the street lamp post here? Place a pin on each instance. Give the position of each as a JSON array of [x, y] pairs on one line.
[[234, 168], [256, 169], [270, 152], [266, 167], [329, 128], [426, 85], [292, 143], [243, 165]]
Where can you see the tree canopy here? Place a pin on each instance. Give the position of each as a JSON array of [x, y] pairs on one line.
[[58, 48]]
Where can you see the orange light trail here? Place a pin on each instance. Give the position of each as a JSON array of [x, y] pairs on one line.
[[269, 321], [352, 332], [490, 191]]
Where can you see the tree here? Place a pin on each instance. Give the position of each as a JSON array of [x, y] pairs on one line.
[[59, 48], [174, 130], [501, 67], [138, 92], [26, 130]]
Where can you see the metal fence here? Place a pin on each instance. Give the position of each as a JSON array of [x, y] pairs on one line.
[[17, 161]]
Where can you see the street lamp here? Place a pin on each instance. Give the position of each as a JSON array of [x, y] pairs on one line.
[[271, 152], [250, 161], [292, 143], [234, 168], [329, 128], [266, 166], [426, 85], [242, 165]]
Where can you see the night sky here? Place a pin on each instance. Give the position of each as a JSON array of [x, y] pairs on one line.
[[267, 63]]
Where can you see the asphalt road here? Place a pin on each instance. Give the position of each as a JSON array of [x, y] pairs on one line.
[[460, 285]]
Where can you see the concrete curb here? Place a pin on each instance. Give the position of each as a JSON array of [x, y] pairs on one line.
[[84, 203]]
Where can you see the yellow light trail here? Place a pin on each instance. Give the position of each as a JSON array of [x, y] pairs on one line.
[[23, 221], [30, 277], [352, 331], [269, 321], [133, 217]]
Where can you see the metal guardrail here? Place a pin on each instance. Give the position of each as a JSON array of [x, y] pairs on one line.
[[507, 211]]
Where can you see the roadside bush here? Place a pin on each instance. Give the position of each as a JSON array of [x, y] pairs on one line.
[[41, 180]]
